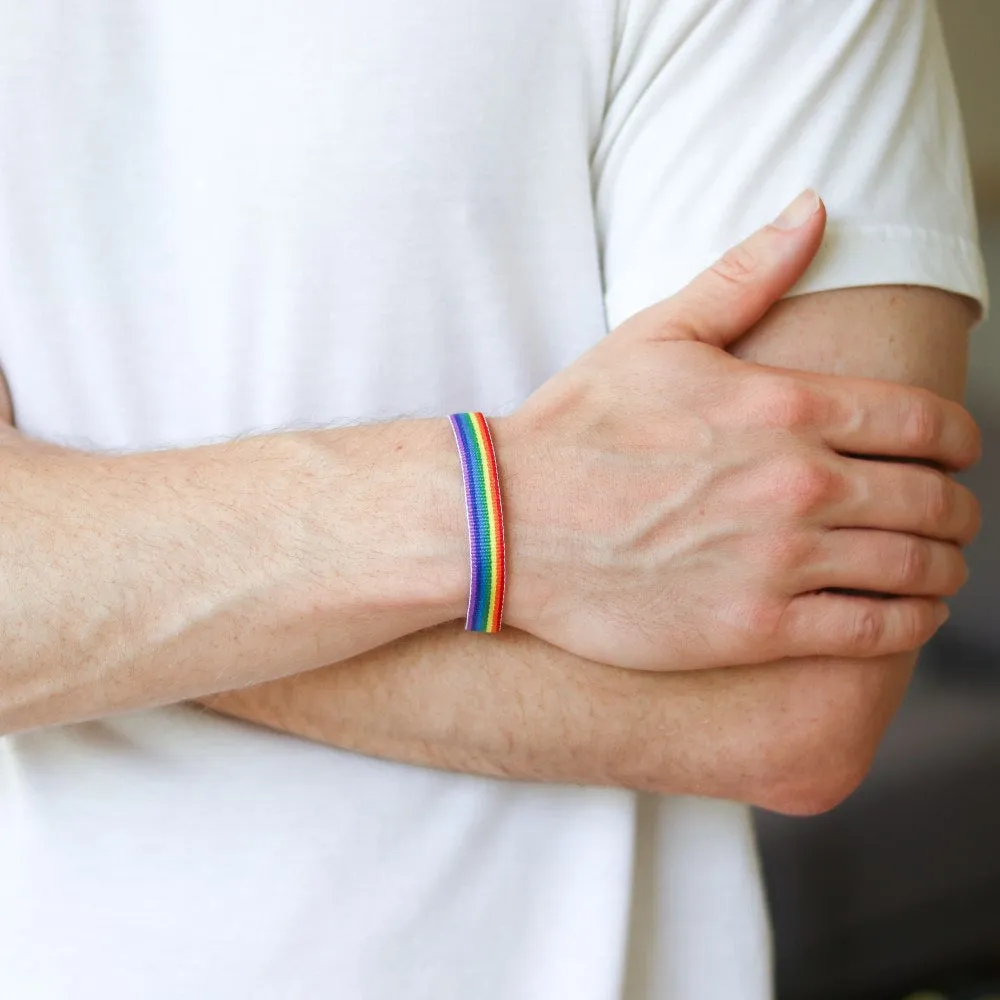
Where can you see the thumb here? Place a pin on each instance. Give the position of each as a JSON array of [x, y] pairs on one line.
[[724, 302]]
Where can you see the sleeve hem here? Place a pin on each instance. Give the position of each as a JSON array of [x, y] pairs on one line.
[[851, 256]]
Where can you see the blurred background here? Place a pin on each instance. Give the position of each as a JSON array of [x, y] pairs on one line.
[[896, 894]]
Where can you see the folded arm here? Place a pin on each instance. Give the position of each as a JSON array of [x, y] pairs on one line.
[[673, 508], [795, 735]]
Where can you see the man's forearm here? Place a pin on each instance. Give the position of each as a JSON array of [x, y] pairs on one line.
[[794, 735], [151, 578]]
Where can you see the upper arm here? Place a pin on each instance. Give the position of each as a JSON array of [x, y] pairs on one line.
[[908, 334]]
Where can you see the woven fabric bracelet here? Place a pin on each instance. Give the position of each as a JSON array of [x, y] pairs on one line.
[[482, 495]]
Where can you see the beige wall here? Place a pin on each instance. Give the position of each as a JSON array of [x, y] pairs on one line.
[[984, 368], [972, 28]]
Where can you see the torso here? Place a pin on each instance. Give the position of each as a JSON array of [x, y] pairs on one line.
[[244, 215]]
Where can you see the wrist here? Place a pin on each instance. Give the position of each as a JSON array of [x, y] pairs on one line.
[[433, 513], [404, 483], [444, 517], [528, 588]]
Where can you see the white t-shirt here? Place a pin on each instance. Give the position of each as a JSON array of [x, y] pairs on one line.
[[245, 214]]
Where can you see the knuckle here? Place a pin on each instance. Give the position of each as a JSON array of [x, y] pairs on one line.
[[759, 618], [938, 498], [866, 630], [787, 552], [917, 628], [785, 404], [913, 564], [954, 571], [914, 628], [805, 486], [735, 265], [923, 424], [967, 449]]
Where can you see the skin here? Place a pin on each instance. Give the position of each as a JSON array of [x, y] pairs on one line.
[[201, 570], [795, 736]]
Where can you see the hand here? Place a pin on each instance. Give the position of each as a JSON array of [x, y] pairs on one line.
[[663, 495]]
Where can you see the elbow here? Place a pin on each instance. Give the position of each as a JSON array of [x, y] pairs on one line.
[[796, 771], [820, 758], [812, 735], [826, 732], [808, 774], [824, 788], [796, 738]]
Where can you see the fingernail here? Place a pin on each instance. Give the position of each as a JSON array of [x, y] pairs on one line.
[[942, 614], [799, 212]]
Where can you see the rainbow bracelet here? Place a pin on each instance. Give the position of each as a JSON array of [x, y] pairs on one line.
[[482, 495]]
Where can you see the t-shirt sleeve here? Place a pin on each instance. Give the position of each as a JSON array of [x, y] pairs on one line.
[[721, 111]]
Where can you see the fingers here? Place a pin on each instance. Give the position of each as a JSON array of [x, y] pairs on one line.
[[886, 562], [725, 301], [894, 496], [841, 625], [868, 417]]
